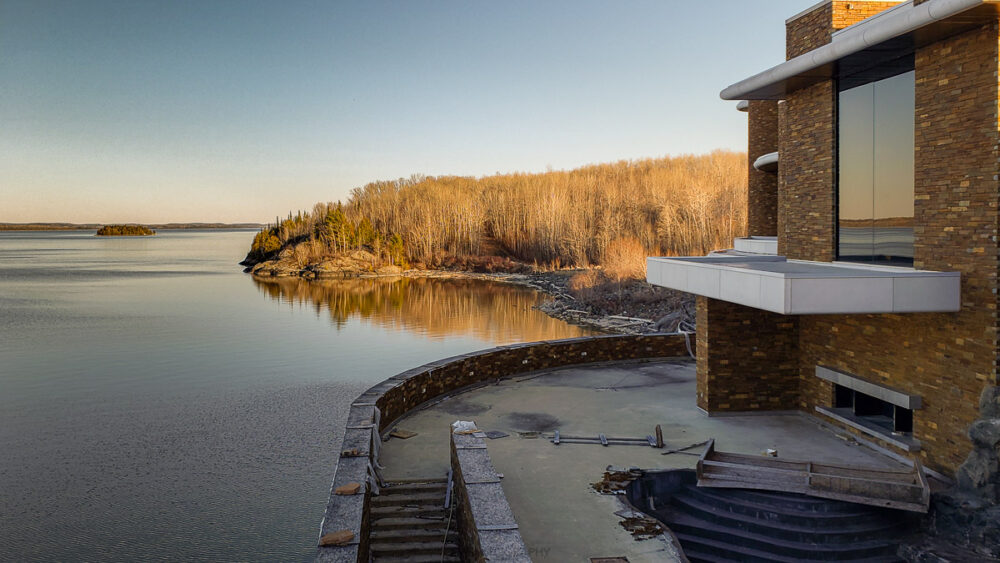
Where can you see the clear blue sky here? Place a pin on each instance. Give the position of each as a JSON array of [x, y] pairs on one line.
[[241, 110]]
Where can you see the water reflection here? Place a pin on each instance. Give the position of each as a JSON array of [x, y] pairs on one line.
[[436, 308]]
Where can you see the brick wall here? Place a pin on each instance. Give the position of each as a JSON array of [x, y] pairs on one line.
[[762, 187], [813, 28], [806, 203], [945, 358], [808, 31], [747, 359]]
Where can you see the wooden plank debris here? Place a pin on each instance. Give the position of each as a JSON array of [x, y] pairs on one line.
[[905, 489]]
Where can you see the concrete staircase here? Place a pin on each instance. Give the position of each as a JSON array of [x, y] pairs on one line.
[[717, 524], [410, 523], [738, 525]]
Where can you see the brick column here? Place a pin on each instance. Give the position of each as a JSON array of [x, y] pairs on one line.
[[747, 358], [762, 187]]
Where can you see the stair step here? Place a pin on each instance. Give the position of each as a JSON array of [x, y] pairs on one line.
[[443, 480], [703, 549], [408, 549], [414, 488], [783, 505], [408, 511], [696, 556], [419, 535], [803, 529], [692, 527], [390, 523], [419, 559], [409, 499]]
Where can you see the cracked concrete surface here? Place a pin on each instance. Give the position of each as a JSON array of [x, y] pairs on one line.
[[548, 487]]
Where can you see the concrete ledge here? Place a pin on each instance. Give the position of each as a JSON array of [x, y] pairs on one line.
[[905, 443], [882, 392], [413, 388], [487, 528], [756, 245]]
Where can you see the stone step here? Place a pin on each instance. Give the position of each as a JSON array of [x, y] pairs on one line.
[[419, 559], [403, 523], [700, 532], [408, 511], [412, 549], [429, 488], [409, 499], [703, 549], [415, 535], [858, 528], [783, 506]]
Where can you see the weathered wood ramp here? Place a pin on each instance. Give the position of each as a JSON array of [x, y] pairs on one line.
[[900, 489]]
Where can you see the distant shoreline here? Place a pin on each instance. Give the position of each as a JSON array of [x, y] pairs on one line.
[[95, 226]]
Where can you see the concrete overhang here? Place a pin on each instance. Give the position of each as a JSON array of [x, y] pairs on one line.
[[886, 36], [800, 287], [756, 244], [767, 162]]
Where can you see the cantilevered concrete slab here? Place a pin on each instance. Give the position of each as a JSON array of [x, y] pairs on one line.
[[800, 287]]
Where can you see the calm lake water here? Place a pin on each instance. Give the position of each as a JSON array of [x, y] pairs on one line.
[[157, 403]]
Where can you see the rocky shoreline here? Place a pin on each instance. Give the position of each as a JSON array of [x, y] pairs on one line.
[[632, 316]]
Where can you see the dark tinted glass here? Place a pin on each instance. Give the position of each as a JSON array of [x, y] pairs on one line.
[[875, 171]]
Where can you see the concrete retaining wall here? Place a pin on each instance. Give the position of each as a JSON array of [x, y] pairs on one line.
[[401, 393], [486, 525]]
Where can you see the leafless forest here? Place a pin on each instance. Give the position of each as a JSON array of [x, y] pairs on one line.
[[607, 214]]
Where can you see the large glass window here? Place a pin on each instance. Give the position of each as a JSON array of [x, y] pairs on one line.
[[875, 171]]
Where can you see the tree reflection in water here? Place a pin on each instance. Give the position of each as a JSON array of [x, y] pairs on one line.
[[434, 307]]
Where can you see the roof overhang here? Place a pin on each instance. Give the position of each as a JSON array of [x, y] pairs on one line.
[[891, 34], [800, 287]]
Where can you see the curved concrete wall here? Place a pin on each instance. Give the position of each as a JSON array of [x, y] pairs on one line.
[[406, 391]]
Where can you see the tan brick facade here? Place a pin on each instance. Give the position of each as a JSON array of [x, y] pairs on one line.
[[807, 145], [747, 359], [812, 28], [945, 358], [762, 187]]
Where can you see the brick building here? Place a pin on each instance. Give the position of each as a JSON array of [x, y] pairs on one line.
[[866, 291]]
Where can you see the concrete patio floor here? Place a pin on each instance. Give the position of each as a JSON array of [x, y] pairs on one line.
[[560, 517]]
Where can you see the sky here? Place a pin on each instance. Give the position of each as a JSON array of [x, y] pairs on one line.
[[238, 111]]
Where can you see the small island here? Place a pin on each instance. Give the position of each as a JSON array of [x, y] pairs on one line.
[[124, 231]]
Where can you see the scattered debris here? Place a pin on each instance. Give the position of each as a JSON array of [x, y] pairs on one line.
[[629, 513], [685, 449], [615, 481], [771, 452], [402, 434], [849, 439], [642, 528], [340, 537], [530, 435], [494, 434], [348, 489], [603, 440], [463, 427], [659, 436], [353, 452]]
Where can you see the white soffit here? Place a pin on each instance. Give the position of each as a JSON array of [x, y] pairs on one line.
[[799, 287]]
